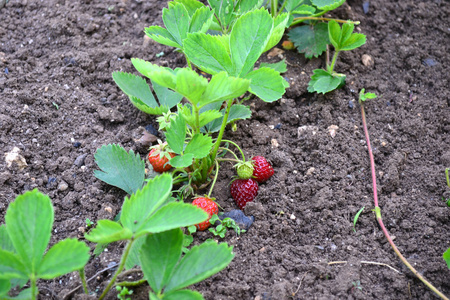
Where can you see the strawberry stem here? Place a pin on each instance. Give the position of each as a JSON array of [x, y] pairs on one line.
[[378, 210], [215, 179], [240, 150]]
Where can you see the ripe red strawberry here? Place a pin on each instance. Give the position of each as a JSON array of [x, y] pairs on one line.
[[209, 206], [262, 170], [159, 159], [244, 191]]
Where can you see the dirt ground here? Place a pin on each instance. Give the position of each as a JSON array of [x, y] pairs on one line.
[[58, 104]]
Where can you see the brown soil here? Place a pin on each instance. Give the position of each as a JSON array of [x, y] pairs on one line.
[[56, 60]]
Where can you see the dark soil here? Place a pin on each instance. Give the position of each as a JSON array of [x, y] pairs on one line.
[[59, 104]]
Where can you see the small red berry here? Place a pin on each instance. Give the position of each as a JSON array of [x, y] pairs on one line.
[[159, 160], [262, 170], [244, 191], [209, 206]]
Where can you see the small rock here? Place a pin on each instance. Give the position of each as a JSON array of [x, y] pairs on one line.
[[52, 183], [429, 62], [62, 186], [305, 129], [79, 161], [244, 222], [274, 143], [350, 104], [332, 130], [310, 171], [365, 6], [367, 60], [293, 217], [15, 157], [77, 144], [275, 52]]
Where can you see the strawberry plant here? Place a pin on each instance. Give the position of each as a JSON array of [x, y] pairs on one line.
[[150, 224], [210, 104], [343, 39], [24, 239]]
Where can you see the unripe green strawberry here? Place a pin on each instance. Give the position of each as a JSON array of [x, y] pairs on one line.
[[244, 170]]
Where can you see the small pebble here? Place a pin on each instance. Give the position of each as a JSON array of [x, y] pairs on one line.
[[51, 184], [366, 6], [77, 144], [79, 161], [6, 71], [244, 222], [350, 104], [429, 62], [278, 126], [62, 186]]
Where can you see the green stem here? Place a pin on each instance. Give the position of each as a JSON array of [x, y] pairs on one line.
[[273, 7], [188, 62], [132, 283], [234, 144], [228, 159], [119, 269], [447, 176], [33, 288], [378, 211], [215, 179], [330, 68], [83, 280], [222, 130], [301, 19], [226, 149]]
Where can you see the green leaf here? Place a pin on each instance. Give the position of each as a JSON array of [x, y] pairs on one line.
[[237, 112], [190, 84], [29, 221], [200, 263], [266, 83], [223, 10], [363, 96], [446, 257], [108, 231], [173, 215], [176, 20], [165, 96], [310, 40], [191, 6], [135, 87], [248, 39], [208, 53], [343, 39], [176, 134], [162, 36], [304, 10], [279, 26], [182, 161], [133, 256], [11, 266], [327, 4], [141, 205], [5, 241], [201, 20], [280, 66], [5, 286], [119, 168], [64, 257], [184, 295], [208, 116], [355, 219], [200, 145], [323, 82], [159, 256], [223, 87], [161, 75], [248, 5]]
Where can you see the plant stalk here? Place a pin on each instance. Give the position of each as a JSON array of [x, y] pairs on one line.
[[119, 269], [301, 19], [222, 130], [378, 211], [83, 280], [132, 283], [33, 288], [330, 68]]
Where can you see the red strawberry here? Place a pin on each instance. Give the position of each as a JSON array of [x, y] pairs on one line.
[[159, 159], [262, 169], [244, 191], [209, 206]]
